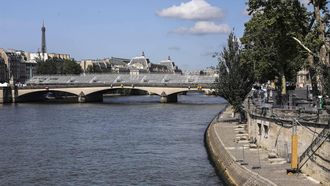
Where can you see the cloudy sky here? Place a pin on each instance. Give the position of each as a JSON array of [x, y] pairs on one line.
[[187, 30]]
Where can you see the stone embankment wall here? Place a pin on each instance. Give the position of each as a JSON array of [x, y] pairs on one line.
[[230, 170], [275, 135]]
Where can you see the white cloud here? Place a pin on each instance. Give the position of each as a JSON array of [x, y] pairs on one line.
[[203, 28], [192, 10]]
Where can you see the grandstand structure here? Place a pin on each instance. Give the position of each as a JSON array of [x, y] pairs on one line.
[[120, 78]]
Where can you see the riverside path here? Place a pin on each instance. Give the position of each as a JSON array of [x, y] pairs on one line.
[[255, 161]]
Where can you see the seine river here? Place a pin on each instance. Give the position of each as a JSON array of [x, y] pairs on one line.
[[131, 140]]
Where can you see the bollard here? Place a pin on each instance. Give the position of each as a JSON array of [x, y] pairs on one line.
[[243, 162], [294, 150]]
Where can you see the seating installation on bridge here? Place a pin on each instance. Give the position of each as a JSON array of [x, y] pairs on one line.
[[91, 87]]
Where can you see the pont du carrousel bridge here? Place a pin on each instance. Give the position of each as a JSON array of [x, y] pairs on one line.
[[91, 87]]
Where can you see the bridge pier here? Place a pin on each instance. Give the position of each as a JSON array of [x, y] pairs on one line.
[[14, 94], [5, 95], [82, 98], [173, 98]]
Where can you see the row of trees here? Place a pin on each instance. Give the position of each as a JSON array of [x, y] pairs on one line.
[[280, 39], [58, 66], [66, 66]]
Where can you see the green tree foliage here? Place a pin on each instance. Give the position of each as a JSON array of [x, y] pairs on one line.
[[268, 42], [319, 22], [58, 66], [235, 76], [71, 67], [319, 28]]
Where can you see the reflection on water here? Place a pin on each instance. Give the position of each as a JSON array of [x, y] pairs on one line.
[[131, 140]]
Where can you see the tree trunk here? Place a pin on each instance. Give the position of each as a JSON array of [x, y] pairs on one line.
[[313, 75], [322, 51], [242, 116], [283, 84], [314, 82], [321, 30]]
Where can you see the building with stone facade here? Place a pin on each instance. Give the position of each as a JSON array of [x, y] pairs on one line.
[[30, 69], [36, 56], [136, 65], [142, 64], [119, 65], [95, 65], [16, 65], [171, 67], [3, 71], [303, 79], [60, 56], [13, 60], [113, 64]]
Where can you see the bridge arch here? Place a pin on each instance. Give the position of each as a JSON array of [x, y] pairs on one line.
[[167, 94], [97, 95], [44, 95]]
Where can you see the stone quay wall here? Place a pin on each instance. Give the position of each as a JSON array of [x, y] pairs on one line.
[[226, 166], [275, 135]]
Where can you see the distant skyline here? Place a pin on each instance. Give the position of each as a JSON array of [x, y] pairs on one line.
[[187, 30]]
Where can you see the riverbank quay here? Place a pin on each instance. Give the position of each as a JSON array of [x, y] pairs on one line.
[[242, 163], [273, 129]]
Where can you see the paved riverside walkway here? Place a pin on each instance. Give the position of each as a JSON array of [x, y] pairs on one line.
[[272, 169]]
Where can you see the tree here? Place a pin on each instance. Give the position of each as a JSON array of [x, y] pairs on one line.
[[46, 67], [318, 50], [235, 76], [321, 25], [268, 40], [71, 67], [58, 66]]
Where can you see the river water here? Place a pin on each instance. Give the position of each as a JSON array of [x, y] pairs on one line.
[[131, 140]]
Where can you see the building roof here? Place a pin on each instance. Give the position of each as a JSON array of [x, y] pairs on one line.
[[140, 62], [120, 59], [119, 63], [169, 64]]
